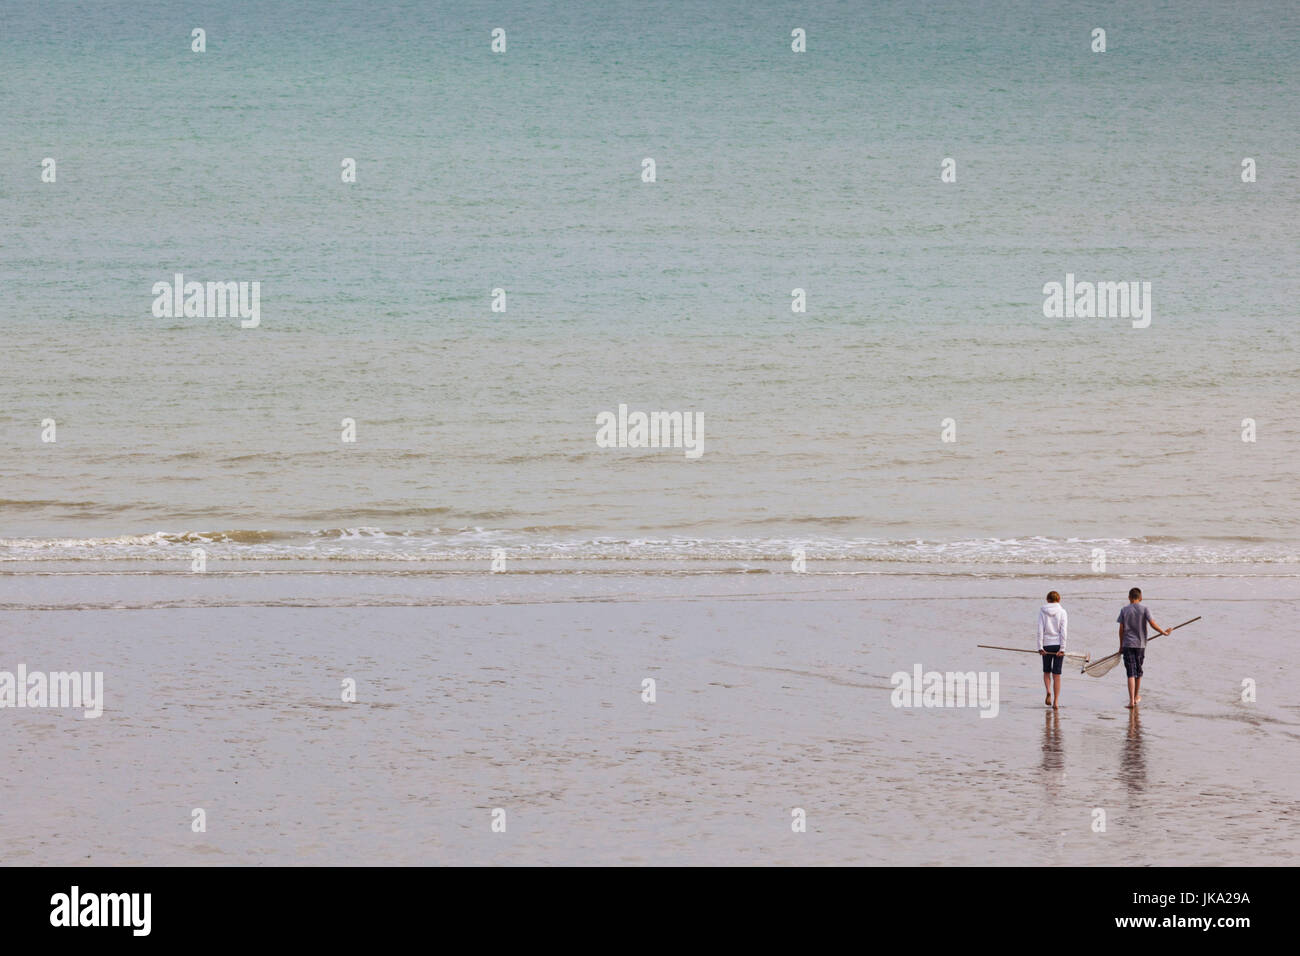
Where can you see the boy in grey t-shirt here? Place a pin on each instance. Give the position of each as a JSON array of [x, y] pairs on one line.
[[1133, 620]]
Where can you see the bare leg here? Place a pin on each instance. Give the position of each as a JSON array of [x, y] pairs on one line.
[[1047, 687], [1056, 690], [1132, 691], [1137, 690]]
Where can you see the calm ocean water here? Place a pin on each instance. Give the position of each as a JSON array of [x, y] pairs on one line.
[[775, 171]]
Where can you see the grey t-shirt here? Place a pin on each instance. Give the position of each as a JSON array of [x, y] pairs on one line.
[[1134, 617]]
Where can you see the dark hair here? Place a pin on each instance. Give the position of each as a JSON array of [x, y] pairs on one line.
[[1134, 593], [1053, 597]]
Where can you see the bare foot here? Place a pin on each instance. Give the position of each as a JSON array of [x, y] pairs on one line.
[[1056, 706], [1130, 705], [1137, 699], [1048, 700]]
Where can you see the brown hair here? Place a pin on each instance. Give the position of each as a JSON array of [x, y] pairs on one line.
[[1053, 597], [1134, 593]]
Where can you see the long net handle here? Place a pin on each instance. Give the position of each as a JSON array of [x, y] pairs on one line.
[[1176, 627], [1116, 655], [1027, 650]]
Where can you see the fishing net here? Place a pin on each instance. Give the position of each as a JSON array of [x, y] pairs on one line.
[[1100, 667]]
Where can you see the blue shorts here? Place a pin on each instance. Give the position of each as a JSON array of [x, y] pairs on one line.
[[1052, 663], [1133, 660]]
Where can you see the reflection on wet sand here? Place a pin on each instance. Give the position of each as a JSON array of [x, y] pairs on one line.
[[1132, 764], [1053, 744], [1053, 770]]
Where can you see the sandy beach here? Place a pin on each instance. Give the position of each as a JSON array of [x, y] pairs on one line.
[[524, 692]]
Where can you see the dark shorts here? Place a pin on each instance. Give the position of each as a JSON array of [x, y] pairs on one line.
[[1052, 663], [1133, 660]]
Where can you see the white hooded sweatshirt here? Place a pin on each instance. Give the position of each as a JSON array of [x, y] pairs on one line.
[[1052, 621]]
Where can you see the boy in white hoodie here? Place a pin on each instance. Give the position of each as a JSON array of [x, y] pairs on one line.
[[1052, 623]]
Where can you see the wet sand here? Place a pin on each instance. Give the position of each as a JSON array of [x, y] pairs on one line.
[[523, 692]]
